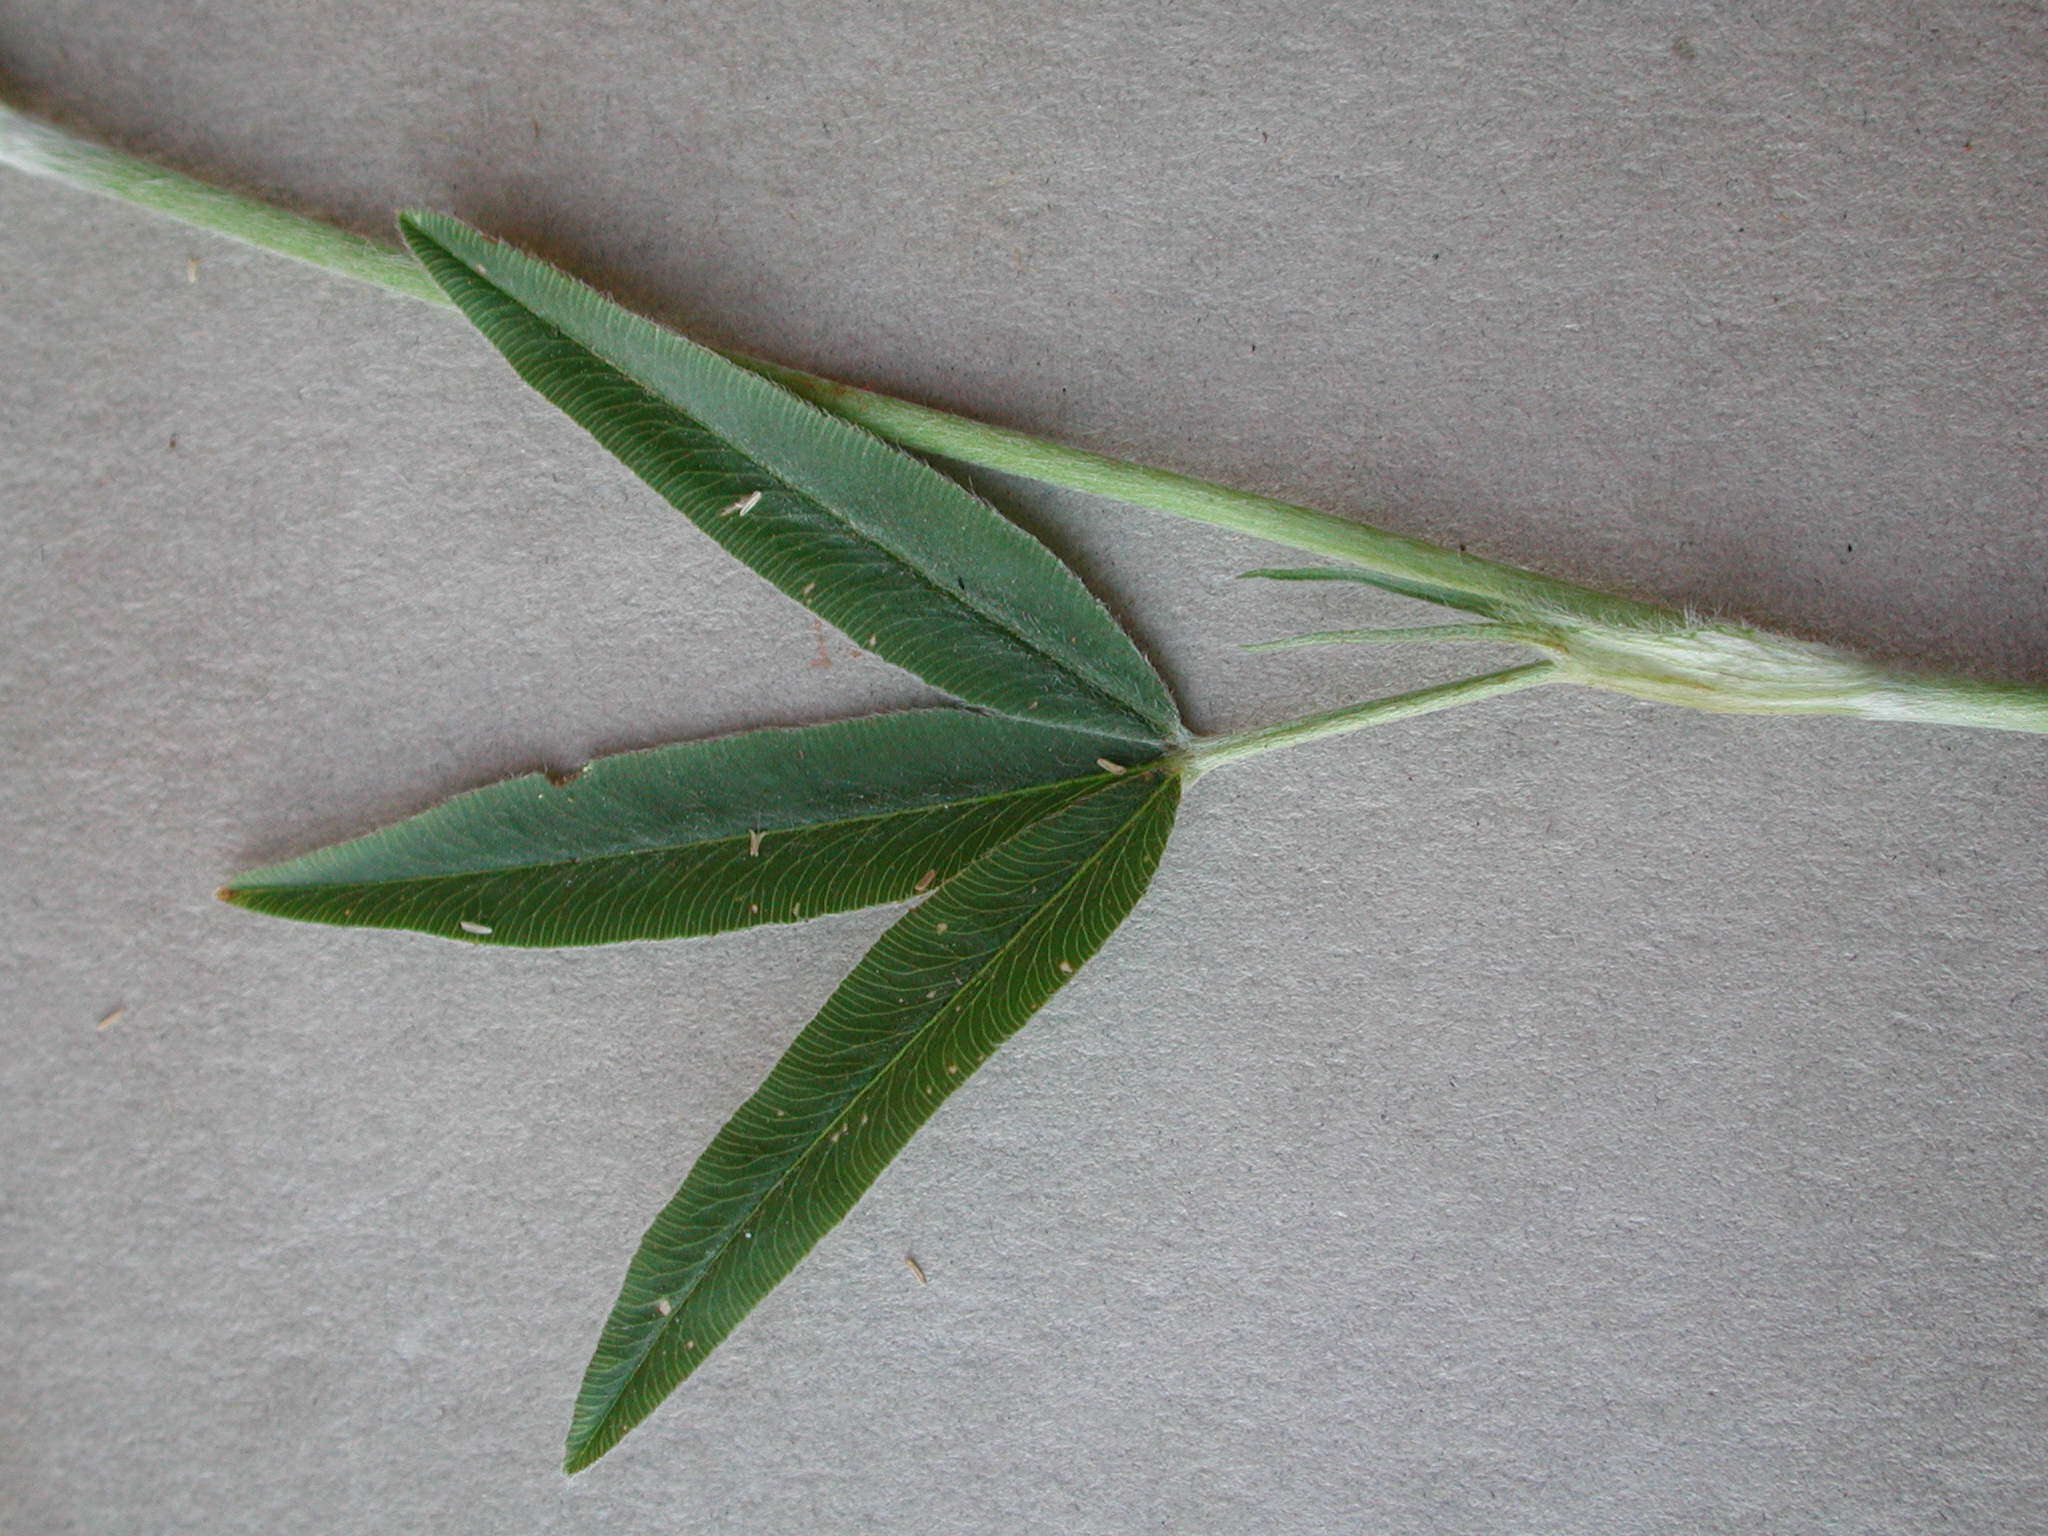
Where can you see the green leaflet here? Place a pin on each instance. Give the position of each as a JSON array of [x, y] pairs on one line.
[[953, 979], [767, 826], [900, 558]]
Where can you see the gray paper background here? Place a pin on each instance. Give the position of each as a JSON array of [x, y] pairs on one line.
[[1565, 1115]]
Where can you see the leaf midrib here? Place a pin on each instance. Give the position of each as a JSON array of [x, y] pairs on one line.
[[660, 850], [972, 988], [958, 598]]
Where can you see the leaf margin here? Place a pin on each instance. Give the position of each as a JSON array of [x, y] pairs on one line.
[[643, 1316], [886, 776]]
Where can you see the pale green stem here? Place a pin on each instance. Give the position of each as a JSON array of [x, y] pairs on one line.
[[1162, 490], [43, 149], [1733, 669], [1212, 752], [1605, 641], [1493, 634], [1964, 701]]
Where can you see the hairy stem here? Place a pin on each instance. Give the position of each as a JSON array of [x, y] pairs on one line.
[[1488, 634], [1213, 752], [44, 149], [1163, 490], [1604, 641]]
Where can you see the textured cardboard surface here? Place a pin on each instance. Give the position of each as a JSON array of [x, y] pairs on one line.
[[1564, 1115]]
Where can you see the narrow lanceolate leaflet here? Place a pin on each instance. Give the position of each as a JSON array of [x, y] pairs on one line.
[[885, 547], [952, 980]]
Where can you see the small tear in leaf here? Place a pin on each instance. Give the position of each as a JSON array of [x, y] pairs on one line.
[[468, 927]]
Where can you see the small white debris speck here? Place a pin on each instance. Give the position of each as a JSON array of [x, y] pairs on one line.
[[1066, 967], [753, 845], [938, 928], [115, 1017], [664, 1306], [468, 927], [915, 1268], [743, 506], [1107, 766], [191, 269], [924, 884]]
